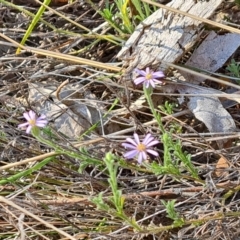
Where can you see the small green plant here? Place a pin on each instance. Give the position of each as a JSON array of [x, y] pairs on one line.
[[172, 214], [237, 2], [125, 15], [167, 107], [234, 69], [174, 156], [144, 10], [117, 200], [175, 159], [3, 136]]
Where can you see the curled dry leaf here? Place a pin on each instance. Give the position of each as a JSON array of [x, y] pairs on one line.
[[209, 109], [212, 54], [81, 102], [221, 167], [72, 115]]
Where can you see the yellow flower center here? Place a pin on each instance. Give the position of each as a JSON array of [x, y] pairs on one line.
[[141, 147], [32, 122], [148, 76]]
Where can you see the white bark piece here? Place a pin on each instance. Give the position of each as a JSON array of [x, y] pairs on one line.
[[166, 35]]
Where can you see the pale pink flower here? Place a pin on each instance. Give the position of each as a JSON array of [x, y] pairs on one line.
[[148, 77], [33, 120], [140, 149]]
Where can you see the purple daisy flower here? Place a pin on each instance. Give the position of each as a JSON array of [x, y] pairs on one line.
[[140, 149], [148, 77], [33, 120]]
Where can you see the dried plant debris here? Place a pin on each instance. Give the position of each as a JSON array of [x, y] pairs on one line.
[[48, 192], [149, 46], [71, 108], [212, 54]]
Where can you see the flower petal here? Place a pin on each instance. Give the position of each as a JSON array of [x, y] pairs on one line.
[[147, 83], [152, 143], [28, 129], [136, 137], [158, 81], [147, 139], [131, 141], [152, 83], [130, 154], [154, 153], [41, 121], [32, 115], [23, 125], [148, 70], [140, 72], [39, 124], [158, 74], [127, 145], [144, 155], [139, 80], [42, 117], [27, 116], [140, 158]]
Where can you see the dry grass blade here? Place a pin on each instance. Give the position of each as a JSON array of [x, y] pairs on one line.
[[62, 56], [12, 204], [219, 25]]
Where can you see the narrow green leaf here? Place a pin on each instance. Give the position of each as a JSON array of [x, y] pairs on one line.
[[33, 24], [26, 172]]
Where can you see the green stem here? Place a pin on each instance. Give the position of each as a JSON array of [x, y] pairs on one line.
[[36, 133], [196, 222], [26, 172], [148, 95]]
